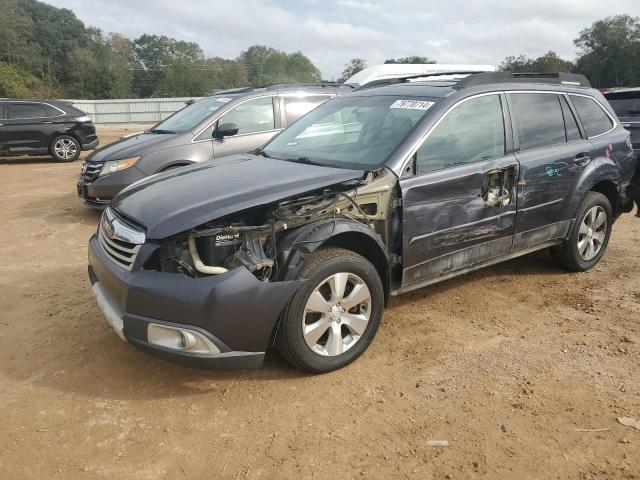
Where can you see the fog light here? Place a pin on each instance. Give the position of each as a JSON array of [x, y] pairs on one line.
[[182, 339]]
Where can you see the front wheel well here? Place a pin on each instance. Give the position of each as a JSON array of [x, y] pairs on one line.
[[368, 248], [609, 190]]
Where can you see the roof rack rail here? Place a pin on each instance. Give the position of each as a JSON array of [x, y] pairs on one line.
[[408, 78], [295, 85], [569, 79]]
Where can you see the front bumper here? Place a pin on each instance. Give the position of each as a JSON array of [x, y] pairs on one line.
[[234, 311], [99, 192]]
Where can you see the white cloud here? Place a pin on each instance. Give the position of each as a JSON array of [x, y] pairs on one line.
[[331, 32]]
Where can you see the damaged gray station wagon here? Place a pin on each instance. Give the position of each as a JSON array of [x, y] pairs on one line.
[[401, 184]]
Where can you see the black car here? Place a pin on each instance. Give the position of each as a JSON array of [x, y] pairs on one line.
[[51, 127], [400, 185]]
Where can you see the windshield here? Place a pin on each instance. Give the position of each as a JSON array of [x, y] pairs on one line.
[[625, 104], [190, 116], [350, 132]]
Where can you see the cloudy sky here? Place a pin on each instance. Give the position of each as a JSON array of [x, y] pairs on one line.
[[331, 32]]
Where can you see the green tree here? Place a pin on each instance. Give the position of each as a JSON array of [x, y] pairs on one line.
[[550, 62], [609, 52], [155, 56], [354, 66], [266, 65], [412, 59]]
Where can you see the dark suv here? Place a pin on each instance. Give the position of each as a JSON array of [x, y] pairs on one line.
[[392, 188], [232, 121], [51, 127], [626, 104]]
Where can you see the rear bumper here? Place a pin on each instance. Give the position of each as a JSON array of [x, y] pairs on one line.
[[90, 145], [234, 311]]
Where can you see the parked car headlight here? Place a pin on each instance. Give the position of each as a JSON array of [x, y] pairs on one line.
[[117, 165]]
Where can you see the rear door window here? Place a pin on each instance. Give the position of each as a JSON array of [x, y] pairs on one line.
[[23, 111], [594, 119], [539, 119], [252, 116], [471, 132], [295, 107]]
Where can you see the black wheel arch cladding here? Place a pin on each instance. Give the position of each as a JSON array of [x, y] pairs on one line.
[[345, 233]]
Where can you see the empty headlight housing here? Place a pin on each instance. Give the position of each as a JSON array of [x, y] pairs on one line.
[[113, 166]]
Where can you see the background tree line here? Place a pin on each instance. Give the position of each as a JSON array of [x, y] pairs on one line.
[[48, 52]]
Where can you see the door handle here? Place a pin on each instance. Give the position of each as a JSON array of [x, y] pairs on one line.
[[582, 159]]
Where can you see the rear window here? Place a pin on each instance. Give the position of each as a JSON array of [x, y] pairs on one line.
[[594, 118], [625, 104], [539, 119], [27, 110]]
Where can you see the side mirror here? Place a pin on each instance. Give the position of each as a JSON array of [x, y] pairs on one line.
[[225, 130]]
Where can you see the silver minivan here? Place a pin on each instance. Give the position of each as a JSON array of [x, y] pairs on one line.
[[229, 122]]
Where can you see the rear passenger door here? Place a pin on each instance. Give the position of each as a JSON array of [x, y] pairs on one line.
[[459, 207], [257, 122], [552, 153]]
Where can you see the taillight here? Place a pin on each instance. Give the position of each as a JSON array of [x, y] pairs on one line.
[[85, 119]]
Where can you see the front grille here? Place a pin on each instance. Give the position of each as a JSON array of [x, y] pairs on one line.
[[121, 251], [91, 170]]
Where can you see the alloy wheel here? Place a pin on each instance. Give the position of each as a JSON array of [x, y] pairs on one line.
[[592, 233], [65, 148], [336, 314]]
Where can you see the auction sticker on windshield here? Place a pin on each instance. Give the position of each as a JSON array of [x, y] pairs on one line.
[[224, 99], [412, 104]]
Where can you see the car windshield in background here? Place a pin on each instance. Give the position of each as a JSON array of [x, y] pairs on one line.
[[350, 132], [190, 116], [625, 104]]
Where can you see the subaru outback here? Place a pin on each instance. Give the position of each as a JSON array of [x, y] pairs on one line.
[[402, 184]]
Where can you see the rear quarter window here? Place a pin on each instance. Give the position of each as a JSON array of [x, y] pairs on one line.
[[594, 119]]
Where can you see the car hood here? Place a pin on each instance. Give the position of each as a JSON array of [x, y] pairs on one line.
[[138, 144], [179, 200]]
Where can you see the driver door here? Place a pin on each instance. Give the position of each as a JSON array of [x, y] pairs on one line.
[[257, 123], [459, 206]]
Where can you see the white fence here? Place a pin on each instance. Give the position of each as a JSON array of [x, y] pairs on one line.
[[147, 110]]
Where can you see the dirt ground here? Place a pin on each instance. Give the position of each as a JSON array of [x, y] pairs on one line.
[[507, 365]]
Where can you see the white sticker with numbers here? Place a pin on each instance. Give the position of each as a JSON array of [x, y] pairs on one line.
[[412, 104]]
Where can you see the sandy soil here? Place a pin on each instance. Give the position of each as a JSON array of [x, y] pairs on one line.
[[506, 364]]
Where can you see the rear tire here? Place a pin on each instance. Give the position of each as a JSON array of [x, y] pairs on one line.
[[333, 318], [65, 148], [589, 236]]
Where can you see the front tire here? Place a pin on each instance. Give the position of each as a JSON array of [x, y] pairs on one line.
[[590, 234], [65, 148], [333, 318]]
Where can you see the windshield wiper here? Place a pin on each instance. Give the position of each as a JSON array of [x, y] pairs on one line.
[[305, 160], [160, 131], [263, 153]]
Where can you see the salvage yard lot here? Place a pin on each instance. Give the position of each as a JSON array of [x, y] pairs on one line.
[[505, 364]]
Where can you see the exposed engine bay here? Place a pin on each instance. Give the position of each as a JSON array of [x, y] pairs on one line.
[[251, 238]]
